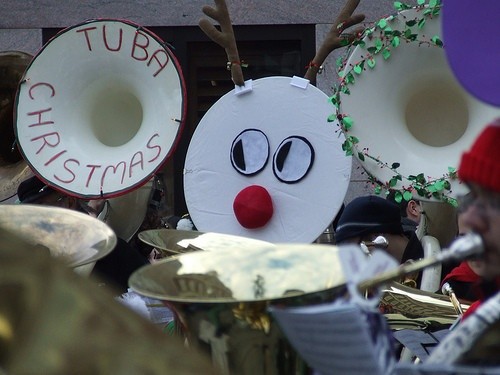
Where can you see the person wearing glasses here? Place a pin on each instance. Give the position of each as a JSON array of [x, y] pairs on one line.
[[480, 170], [476, 340], [372, 221]]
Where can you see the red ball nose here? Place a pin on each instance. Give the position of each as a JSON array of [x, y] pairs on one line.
[[253, 207]]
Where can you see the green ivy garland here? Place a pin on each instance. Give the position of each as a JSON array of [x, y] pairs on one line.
[[387, 40]]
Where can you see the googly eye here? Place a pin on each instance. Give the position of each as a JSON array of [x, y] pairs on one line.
[[293, 159], [250, 152]]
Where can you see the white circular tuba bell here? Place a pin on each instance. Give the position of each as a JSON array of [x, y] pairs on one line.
[[100, 108], [406, 117]]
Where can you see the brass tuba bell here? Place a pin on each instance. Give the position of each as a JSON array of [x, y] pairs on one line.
[[13, 169]]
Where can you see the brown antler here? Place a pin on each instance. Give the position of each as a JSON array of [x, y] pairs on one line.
[[335, 39], [224, 37]]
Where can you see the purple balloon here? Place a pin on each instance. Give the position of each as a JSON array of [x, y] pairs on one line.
[[471, 37]]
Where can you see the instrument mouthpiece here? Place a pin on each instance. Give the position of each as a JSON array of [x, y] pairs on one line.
[[379, 241], [446, 289]]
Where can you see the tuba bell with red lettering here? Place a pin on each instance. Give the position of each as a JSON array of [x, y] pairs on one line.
[[100, 108]]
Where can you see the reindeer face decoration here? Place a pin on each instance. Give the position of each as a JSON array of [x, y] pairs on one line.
[[267, 164]]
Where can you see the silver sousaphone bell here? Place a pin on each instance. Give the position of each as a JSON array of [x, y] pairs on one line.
[[76, 239], [221, 299]]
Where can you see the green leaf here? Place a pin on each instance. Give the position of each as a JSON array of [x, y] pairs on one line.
[[421, 192], [350, 78], [382, 23], [332, 118], [420, 178], [433, 3], [372, 50], [411, 23], [358, 69], [436, 11], [353, 139], [413, 37], [420, 2], [398, 5], [453, 202], [439, 185], [359, 42], [347, 122], [386, 53], [393, 182], [378, 44], [371, 63], [395, 41], [398, 197], [395, 165], [378, 189], [361, 156], [339, 62], [437, 41], [421, 23], [407, 195], [347, 146]]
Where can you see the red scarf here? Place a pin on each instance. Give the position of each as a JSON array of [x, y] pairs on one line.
[[463, 273]]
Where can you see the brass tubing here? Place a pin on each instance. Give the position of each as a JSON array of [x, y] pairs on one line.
[[461, 248]]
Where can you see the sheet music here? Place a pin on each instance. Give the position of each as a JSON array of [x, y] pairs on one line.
[[338, 338], [149, 308]]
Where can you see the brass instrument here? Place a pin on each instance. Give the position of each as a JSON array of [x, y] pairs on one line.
[[175, 241], [52, 321], [405, 306], [225, 311], [13, 169], [126, 111], [463, 247], [76, 239], [221, 299], [379, 242], [447, 290]]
